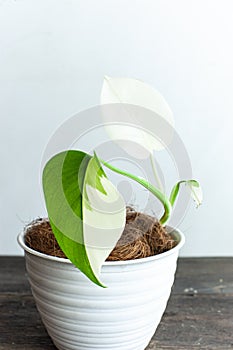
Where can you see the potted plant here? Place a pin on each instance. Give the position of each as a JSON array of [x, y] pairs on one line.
[[85, 301]]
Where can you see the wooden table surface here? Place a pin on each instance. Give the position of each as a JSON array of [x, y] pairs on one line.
[[199, 314]]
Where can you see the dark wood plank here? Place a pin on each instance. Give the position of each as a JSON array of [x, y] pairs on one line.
[[196, 322], [205, 275], [20, 325], [193, 320], [13, 275], [199, 322]]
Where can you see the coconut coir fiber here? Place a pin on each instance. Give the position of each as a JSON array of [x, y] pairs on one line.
[[143, 236]]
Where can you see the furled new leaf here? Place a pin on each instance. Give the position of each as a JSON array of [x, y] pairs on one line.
[[195, 188]]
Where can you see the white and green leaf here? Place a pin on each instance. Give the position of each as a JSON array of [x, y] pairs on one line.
[[104, 215], [86, 212]]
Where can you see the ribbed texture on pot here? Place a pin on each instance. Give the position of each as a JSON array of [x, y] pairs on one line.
[[79, 315]]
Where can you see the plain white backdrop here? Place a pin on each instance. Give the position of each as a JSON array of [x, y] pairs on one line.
[[53, 56]]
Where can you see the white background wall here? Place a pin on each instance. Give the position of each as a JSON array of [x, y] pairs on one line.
[[53, 55]]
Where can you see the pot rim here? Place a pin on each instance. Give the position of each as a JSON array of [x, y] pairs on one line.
[[176, 232]]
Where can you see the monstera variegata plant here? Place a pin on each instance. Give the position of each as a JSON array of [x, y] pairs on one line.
[[86, 212]]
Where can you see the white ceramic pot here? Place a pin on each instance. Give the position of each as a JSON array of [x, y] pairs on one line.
[[79, 315]]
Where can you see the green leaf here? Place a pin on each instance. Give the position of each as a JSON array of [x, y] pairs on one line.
[[196, 191], [80, 201]]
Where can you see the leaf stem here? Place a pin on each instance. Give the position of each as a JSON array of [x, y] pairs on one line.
[[174, 192], [191, 183], [156, 192]]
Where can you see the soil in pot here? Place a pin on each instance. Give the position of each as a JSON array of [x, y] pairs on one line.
[[142, 237]]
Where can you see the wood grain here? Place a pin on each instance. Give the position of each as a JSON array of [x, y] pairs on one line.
[[199, 314]]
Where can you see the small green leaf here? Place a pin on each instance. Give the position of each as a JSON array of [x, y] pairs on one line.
[[196, 191], [72, 182]]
